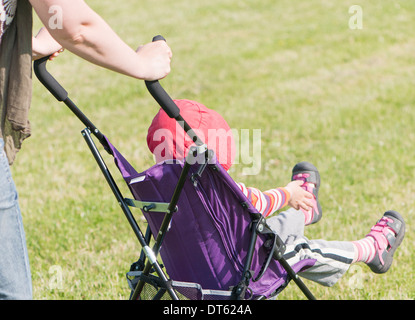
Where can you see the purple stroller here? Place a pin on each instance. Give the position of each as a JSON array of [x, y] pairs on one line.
[[213, 244]]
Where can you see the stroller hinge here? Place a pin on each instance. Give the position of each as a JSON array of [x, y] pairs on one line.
[[202, 156], [239, 291]]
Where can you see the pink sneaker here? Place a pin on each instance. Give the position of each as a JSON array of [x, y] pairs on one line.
[[388, 234], [309, 174]]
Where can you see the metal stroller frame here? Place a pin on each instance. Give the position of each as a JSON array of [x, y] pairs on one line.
[[200, 150]]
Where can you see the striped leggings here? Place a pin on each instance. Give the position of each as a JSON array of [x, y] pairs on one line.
[[333, 258]]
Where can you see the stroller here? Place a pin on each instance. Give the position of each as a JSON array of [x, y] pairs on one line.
[[213, 244]]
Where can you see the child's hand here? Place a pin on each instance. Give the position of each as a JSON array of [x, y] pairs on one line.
[[299, 198]]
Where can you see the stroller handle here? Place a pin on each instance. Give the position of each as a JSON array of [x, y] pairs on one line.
[[168, 105], [48, 80], [154, 87], [160, 95]]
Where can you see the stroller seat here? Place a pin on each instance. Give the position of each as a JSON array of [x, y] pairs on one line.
[[208, 240]]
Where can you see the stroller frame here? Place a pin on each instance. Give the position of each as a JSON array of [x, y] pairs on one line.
[[148, 257]]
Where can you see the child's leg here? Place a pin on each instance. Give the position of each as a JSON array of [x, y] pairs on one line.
[[287, 224], [333, 258]]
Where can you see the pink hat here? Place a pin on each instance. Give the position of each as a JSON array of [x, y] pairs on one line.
[[167, 140]]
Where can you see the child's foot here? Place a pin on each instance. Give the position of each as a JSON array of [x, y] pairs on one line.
[[387, 235], [309, 174]]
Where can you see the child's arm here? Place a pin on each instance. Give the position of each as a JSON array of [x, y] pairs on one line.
[[266, 202], [272, 200]]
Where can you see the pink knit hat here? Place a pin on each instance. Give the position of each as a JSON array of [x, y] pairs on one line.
[[167, 140]]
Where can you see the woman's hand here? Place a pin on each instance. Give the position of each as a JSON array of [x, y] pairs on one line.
[[155, 58], [44, 45]]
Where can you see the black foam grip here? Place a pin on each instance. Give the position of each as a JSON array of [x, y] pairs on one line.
[[163, 99], [160, 95], [48, 81], [158, 38]]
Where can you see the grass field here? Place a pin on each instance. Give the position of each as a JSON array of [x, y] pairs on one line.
[[320, 91]]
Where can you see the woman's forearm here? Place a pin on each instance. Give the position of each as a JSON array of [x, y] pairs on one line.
[[87, 35]]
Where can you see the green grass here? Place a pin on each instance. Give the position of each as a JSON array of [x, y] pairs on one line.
[[319, 91]]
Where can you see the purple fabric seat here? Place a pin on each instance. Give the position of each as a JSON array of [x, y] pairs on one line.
[[209, 235]]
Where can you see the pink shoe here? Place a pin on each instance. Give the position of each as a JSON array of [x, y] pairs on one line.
[[388, 234], [309, 174]]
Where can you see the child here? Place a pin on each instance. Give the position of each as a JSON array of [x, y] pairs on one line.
[[167, 140]]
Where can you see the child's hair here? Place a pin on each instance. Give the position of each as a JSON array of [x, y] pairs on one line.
[[167, 140]]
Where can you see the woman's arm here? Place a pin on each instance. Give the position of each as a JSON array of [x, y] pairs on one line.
[[87, 35]]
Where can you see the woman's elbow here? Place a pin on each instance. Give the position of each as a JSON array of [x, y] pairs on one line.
[[69, 36]]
